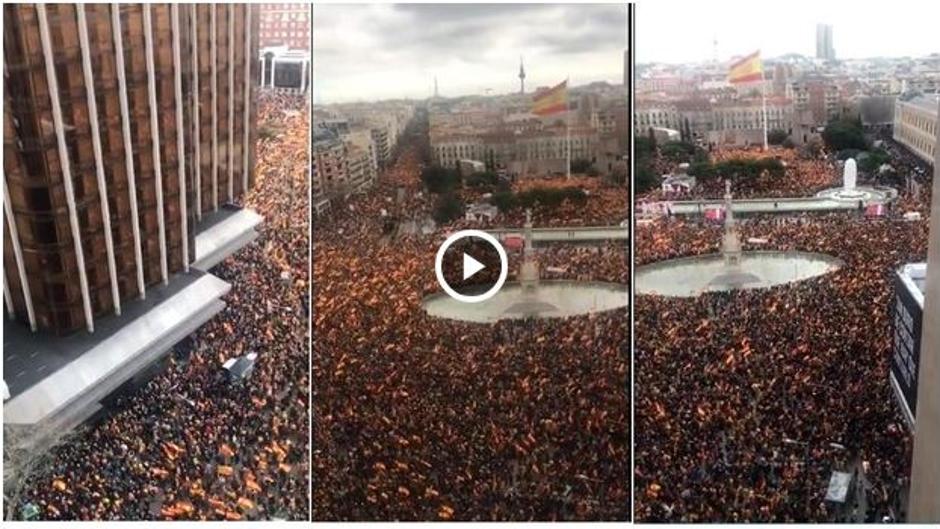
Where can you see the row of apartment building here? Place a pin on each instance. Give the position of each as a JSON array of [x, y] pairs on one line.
[[818, 92], [502, 130], [734, 122], [351, 144], [915, 125]]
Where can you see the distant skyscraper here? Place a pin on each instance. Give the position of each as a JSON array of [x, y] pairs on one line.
[[824, 48]]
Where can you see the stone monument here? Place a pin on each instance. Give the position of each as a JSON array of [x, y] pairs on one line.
[[732, 275], [731, 241], [529, 271]]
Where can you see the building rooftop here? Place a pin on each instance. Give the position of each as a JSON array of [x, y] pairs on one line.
[[925, 102], [914, 276]]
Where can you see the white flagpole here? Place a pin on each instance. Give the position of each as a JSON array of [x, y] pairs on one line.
[[568, 128], [763, 101]]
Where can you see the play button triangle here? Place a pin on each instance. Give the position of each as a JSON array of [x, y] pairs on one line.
[[471, 266]]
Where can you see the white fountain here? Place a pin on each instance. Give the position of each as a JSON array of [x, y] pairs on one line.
[[732, 269], [849, 174], [851, 192], [531, 297]]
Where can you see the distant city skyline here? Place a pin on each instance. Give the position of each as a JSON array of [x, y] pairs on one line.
[[903, 29], [392, 51]]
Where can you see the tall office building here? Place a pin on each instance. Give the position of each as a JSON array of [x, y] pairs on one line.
[[124, 125], [824, 48]]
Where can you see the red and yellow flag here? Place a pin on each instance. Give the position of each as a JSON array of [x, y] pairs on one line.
[[747, 69], [551, 101]]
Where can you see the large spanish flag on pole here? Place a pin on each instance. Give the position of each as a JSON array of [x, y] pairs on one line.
[[750, 69], [551, 101], [747, 69]]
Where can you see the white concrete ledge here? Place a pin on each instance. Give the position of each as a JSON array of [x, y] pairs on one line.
[[225, 237], [69, 392], [576, 234]]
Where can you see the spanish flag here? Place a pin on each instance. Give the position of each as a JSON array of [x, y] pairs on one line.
[[747, 69], [551, 101]]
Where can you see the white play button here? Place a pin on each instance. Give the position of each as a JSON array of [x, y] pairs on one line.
[[471, 266], [486, 258]]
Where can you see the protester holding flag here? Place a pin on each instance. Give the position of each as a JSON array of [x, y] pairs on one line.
[[748, 400], [188, 445]]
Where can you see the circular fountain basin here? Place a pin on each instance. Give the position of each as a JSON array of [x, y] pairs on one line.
[[550, 299], [864, 193], [691, 276]]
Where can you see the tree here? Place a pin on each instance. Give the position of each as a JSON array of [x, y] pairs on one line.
[[482, 179], [873, 161], [678, 151], [777, 136], [643, 147], [503, 200], [652, 140], [844, 133], [644, 179], [448, 207], [439, 180], [546, 197], [580, 165]]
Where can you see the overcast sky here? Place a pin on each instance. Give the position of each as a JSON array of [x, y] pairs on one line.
[[382, 51], [683, 32]]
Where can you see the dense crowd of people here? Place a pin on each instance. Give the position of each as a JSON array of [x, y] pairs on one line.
[[189, 444], [419, 418], [748, 400], [802, 176], [606, 204]]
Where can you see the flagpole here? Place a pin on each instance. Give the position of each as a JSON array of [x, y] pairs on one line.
[[763, 101], [568, 128]]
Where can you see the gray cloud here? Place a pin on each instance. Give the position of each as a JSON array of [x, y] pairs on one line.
[[467, 46]]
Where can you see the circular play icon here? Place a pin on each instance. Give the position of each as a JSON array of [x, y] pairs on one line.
[[471, 266]]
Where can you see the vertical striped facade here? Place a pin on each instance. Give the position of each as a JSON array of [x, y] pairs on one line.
[[108, 144]]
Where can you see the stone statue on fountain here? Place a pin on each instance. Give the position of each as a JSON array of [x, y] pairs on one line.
[[731, 241], [529, 271]]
